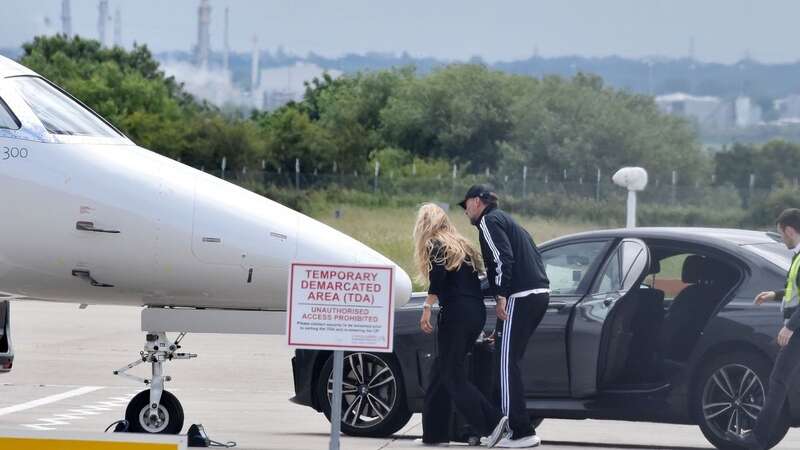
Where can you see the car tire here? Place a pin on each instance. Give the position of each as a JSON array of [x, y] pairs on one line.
[[716, 388], [170, 412], [373, 394]]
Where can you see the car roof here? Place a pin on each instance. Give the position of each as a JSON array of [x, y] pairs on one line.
[[719, 236], [10, 68]]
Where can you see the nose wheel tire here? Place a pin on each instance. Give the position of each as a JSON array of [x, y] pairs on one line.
[[166, 419]]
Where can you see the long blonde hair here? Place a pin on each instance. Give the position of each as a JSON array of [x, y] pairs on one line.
[[434, 228]]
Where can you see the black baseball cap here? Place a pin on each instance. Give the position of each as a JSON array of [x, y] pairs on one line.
[[481, 191]]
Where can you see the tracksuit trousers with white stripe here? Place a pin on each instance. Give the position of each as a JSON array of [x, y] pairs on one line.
[[524, 315]]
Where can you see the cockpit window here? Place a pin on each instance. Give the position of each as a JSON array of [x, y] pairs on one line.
[[58, 112], [7, 119]]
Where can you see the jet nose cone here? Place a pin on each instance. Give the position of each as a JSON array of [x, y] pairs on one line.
[[402, 287], [319, 243]]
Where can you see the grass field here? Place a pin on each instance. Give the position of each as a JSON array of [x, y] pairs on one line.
[[388, 230]]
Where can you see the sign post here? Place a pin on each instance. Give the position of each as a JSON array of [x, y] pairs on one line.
[[340, 308], [336, 402]]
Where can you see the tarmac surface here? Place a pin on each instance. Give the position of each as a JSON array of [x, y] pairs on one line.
[[238, 388]]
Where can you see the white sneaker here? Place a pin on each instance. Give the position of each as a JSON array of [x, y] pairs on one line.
[[526, 442], [499, 431], [419, 441]]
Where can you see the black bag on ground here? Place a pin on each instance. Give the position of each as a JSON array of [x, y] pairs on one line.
[[480, 370]]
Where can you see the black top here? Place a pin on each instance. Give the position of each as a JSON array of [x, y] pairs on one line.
[[453, 286], [513, 263]]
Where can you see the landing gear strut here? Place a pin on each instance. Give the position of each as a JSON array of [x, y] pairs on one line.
[[155, 410]]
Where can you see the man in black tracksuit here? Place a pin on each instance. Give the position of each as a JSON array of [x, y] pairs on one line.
[[519, 283]]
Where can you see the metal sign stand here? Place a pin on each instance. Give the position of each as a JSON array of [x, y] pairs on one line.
[[336, 402]]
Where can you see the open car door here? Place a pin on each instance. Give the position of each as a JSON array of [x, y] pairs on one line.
[[622, 273]]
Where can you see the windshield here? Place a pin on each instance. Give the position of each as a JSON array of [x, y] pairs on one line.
[[59, 113], [773, 252]]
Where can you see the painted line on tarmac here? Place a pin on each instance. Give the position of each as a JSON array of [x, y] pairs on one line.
[[48, 400], [97, 408]]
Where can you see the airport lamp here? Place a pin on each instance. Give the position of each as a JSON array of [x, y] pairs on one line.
[[633, 179]]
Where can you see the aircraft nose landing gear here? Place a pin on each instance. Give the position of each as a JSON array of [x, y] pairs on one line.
[[155, 410]]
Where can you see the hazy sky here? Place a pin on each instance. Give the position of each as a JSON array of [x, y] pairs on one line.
[[723, 30]]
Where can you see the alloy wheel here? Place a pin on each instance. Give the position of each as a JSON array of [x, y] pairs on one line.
[[732, 399], [369, 390]]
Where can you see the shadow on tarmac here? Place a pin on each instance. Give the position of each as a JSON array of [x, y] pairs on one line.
[[621, 446], [411, 437]]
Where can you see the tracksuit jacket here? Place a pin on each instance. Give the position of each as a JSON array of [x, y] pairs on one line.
[[516, 265]]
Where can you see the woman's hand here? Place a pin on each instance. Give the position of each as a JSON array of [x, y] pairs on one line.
[[425, 321]]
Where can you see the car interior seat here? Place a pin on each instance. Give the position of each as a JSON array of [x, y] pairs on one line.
[[692, 307], [630, 340], [645, 352]]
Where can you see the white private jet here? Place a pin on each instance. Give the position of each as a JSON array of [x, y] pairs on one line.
[[89, 217]]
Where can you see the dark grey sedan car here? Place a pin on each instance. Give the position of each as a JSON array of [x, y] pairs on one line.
[[644, 324]]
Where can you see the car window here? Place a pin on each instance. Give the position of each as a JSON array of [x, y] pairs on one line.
[[568, 265], [623, 268], [776, 253], [59, 113], [611, 278], [669, 279], [634, 258], [7, 119]]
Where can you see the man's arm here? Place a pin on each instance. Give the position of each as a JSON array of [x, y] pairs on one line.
[[489, 264], [502, 255]]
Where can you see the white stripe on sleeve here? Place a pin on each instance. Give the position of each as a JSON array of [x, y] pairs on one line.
[[499, 275]]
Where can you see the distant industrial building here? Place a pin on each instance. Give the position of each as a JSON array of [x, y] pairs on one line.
[[118, 28], [273, 100], [788, 108], [66, 18], [103, 18], [203, 48], [711, 112], [746, 112]]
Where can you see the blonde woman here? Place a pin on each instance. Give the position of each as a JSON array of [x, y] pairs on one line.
[[451, 264]]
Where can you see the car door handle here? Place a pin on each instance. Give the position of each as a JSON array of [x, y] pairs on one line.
[[89, 226], [556, 305]]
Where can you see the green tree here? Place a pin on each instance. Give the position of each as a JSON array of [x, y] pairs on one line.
[[291, 135], [461, 113], [581, 126], [214, 137], [770, 163]]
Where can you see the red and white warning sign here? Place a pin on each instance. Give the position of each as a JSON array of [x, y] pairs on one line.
[[332, 307]]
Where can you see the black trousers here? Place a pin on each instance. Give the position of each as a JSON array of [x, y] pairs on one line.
[[458, 327], [784, 371], [524, 315]]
